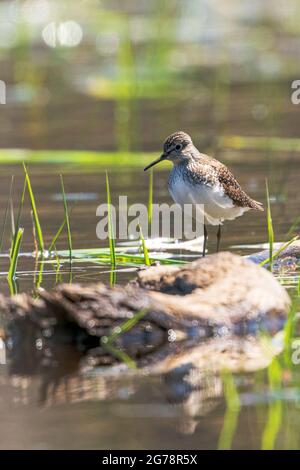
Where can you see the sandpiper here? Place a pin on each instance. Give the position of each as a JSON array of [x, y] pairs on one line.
[[204, 182]]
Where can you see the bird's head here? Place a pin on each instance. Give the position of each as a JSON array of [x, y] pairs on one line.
[[177, 148]]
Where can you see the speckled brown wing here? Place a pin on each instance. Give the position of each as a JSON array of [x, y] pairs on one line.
[[231, 185]]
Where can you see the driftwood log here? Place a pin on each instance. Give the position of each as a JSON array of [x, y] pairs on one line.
[[222, 292], [197, 320], [287, 260]]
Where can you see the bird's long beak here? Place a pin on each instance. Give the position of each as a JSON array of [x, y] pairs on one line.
[[160, 159]]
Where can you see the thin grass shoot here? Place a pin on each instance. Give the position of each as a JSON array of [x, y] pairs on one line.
[[38, 229]]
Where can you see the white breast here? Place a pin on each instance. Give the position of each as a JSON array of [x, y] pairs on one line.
[[211, 200]]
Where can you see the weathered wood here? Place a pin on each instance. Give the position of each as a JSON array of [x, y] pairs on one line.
[[288, 259], [216, 291], [193, 323]]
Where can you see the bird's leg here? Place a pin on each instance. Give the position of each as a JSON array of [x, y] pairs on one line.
[[218, 238], [204, 241]]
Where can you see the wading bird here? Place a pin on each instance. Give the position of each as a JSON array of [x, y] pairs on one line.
[[204, 182]]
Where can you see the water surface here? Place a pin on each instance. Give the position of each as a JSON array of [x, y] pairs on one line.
[[93, 409], [221, 71]]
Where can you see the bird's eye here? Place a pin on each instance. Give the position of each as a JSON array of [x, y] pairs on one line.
[[178, 147]]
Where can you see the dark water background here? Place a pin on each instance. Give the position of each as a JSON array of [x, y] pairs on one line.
[[142, 71]]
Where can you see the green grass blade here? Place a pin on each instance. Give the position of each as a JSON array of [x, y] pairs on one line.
[[5, 213], [66, 217], [145, 249], [277, 253], [274, 420], [17, 224], [38, 274], [150, 201], [15, 254], [121, 355], [38, 229], [12, 218], [270, 228], [13, 286], [58, 233], [288, 334], [233, 407], [35, 241], [273, 426], [108, 341], [103, 255], [126, 326], [58, 266], [293, 229], [56, 236], [111, 235], [112, 277]]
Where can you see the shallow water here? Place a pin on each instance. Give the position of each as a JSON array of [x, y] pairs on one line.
[[77, 408], [86, 190], [125, 87]]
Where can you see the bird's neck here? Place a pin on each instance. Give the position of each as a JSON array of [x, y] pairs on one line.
[[188, 161]]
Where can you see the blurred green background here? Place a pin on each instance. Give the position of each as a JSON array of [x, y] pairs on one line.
[[121, 75]]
